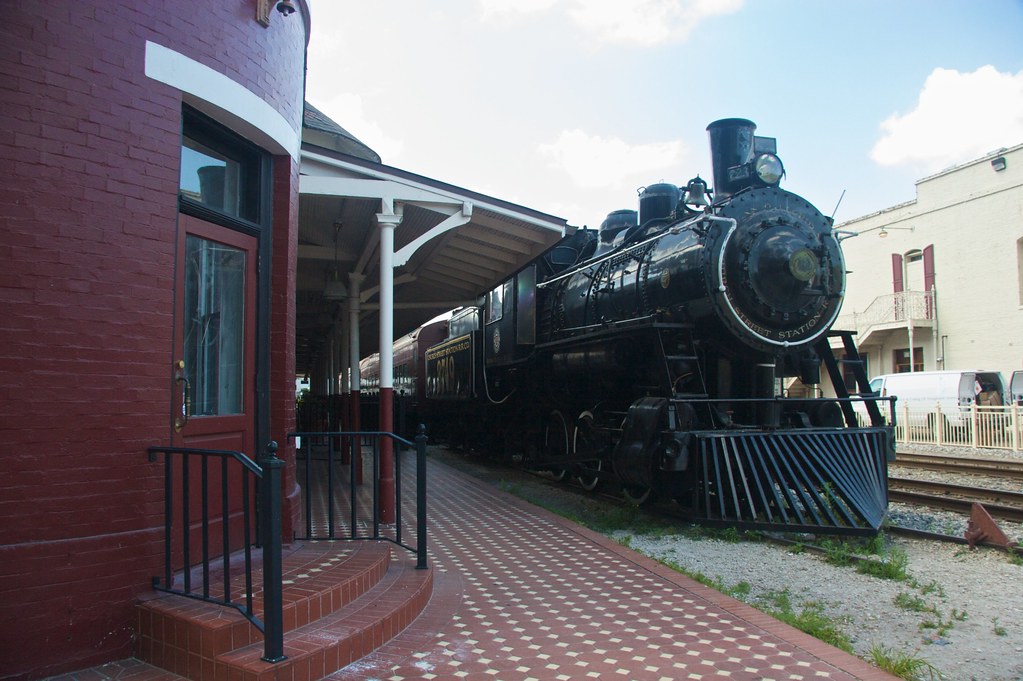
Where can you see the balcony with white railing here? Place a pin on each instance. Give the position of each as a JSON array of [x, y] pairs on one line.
[[892, 311]]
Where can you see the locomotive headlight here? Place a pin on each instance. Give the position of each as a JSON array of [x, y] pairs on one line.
[[769, 168], [803, 264]]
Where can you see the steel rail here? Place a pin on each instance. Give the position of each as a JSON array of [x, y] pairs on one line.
[[1012, 470], [958, 504]]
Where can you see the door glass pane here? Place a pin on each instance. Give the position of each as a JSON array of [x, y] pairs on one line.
[[214, 323]]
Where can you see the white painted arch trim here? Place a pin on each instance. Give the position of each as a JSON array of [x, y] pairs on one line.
[[244, 111]]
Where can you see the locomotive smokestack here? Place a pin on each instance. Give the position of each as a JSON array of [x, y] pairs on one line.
[[731, 145]]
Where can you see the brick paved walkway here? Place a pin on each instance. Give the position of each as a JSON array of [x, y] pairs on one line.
[[520, 593]]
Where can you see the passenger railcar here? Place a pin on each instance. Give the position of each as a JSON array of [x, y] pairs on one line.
[[653, 353], [409, 377]]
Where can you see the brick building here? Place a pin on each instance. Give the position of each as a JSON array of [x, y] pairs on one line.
[[148, 240]]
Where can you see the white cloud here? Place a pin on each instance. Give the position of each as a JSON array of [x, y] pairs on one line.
[[348, 111], [495, 9], [958, 117], [597, 162], [628, 22]]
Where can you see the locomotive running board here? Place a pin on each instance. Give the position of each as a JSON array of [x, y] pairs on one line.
[[825, 482]]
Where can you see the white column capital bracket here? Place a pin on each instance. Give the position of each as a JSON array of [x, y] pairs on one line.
[[388, 220]]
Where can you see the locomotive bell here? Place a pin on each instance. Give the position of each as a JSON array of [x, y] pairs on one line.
[[696, 192]]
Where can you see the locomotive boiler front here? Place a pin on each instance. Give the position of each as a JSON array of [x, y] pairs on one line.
[[779, 276]]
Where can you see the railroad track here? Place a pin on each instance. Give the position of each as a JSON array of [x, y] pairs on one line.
[[1003, 504], [1000, 468]]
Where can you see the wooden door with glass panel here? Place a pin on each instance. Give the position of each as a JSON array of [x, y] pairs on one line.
[[214, 370]]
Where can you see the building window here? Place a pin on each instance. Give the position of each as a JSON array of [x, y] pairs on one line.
[[219, 171], [901, 360]]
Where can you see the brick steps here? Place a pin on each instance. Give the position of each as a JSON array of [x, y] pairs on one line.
[[341, 602]]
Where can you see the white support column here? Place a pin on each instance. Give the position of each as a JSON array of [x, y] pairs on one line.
[[346, 339], [332, 369], [355, 380], [354, 285], [387, 221]]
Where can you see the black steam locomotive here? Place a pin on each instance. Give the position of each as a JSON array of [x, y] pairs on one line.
[[653, 353]]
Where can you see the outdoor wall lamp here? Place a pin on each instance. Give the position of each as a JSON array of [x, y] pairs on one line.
[[998, 163], [264, 7], [884, 230]]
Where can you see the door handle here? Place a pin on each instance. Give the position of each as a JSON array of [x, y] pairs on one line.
[[186, 396]]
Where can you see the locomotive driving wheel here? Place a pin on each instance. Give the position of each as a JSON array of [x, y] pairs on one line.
[[583, 444], [555, 443]]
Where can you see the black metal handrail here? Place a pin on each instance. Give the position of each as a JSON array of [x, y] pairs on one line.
[[259, 481], [339, 447]]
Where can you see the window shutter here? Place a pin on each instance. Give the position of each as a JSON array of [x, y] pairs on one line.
[[929, 267], [897, 273]]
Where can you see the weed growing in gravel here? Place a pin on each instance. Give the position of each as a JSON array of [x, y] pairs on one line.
[[810, 618], [931, 587], [891, 566], [998, 628], [911, 602], [940, 625], [728, 534], [902, 665], [837, 552], [875, 546], [934, 620]]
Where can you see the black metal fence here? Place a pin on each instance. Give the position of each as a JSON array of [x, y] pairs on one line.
[[338, 505], [229, 485]]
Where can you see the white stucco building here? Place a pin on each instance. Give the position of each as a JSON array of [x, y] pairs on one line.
[[937, 282]]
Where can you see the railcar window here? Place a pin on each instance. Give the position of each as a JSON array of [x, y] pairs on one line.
[[525, 332], [495, 302]]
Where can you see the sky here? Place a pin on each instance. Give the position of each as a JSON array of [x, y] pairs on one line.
[[570, 106]]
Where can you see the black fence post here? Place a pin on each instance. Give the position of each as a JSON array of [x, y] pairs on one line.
[[421, 497], [273, 608]]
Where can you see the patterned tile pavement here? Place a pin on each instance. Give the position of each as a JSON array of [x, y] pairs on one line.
[[522, 594]]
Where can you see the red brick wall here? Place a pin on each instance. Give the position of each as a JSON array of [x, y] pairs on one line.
[[89, 152], [282, 337]]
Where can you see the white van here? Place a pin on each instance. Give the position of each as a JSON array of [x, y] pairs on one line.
[[953, 392], [1016, 387]]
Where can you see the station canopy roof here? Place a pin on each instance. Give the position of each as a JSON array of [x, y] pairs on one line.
[[451, 246]]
